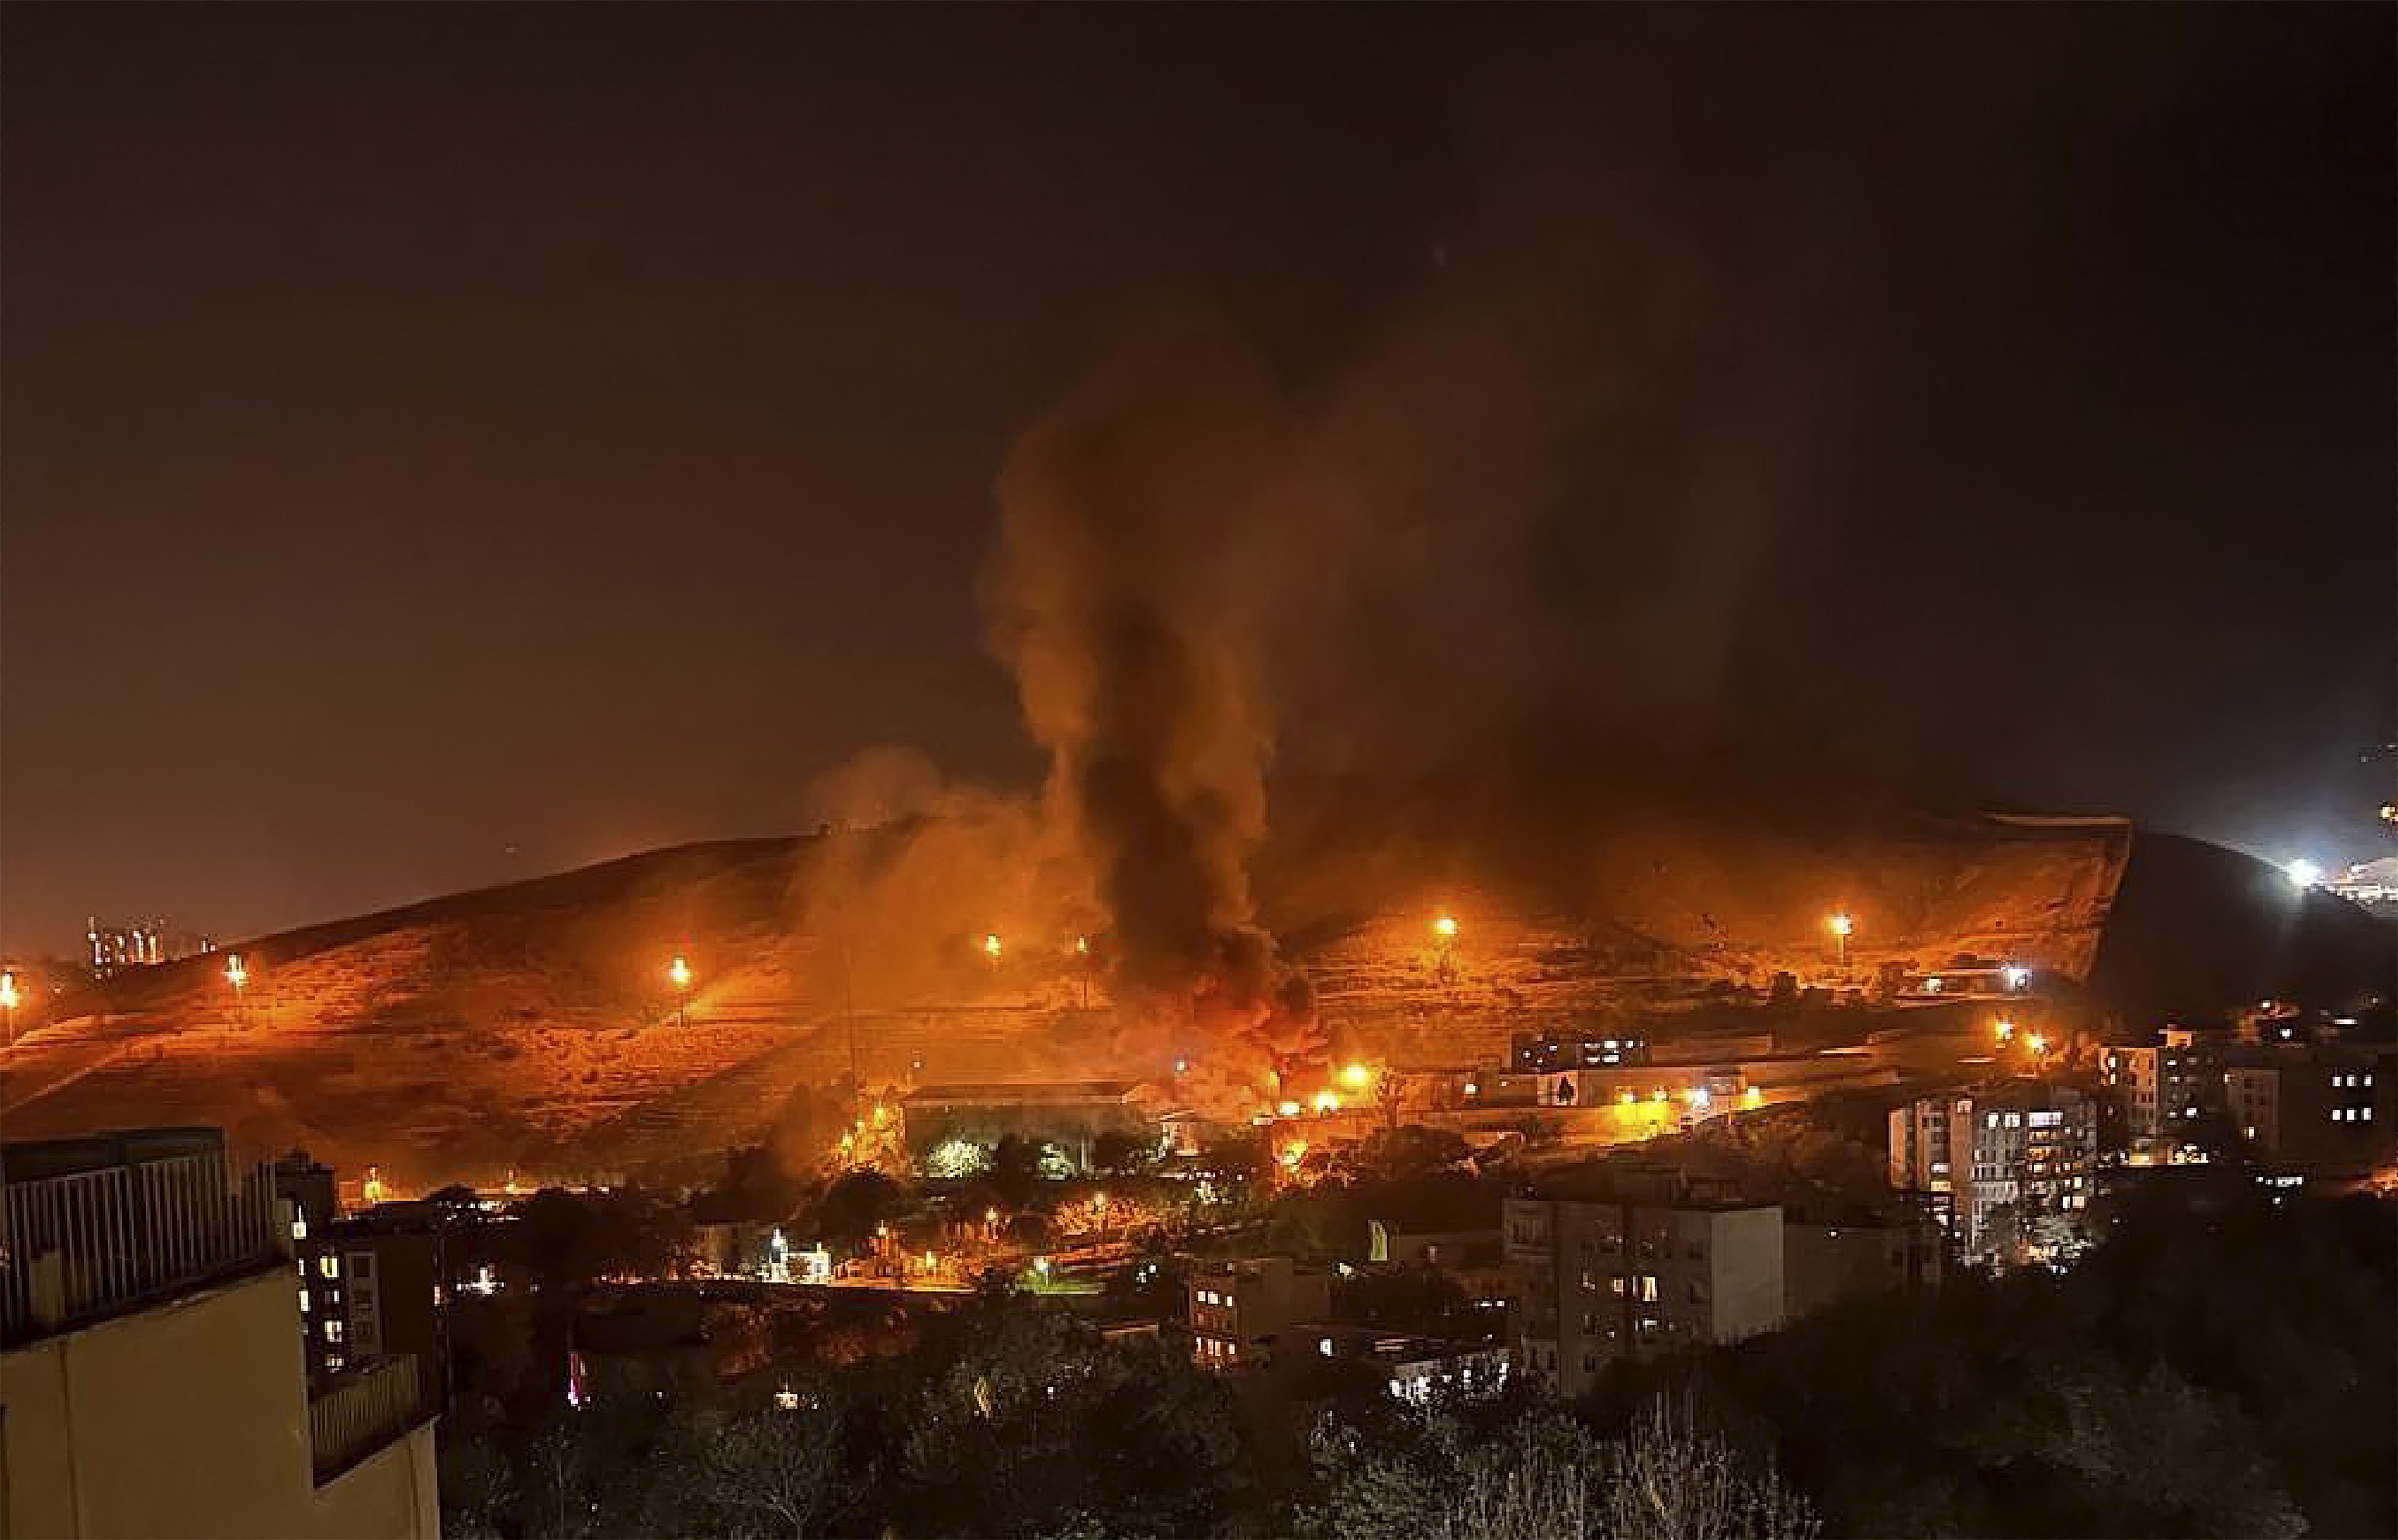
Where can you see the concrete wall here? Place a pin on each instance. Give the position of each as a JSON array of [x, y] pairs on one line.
[[191, 1419], [1746, 1252]]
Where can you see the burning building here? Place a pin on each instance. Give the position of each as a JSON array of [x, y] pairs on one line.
[[953, 1125]]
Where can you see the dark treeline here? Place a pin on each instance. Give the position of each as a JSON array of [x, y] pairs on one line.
[[2225, 1368]]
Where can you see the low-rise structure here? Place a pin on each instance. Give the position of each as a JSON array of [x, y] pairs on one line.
[[1069, 1116], [1240, 1310], [1413, 1368]]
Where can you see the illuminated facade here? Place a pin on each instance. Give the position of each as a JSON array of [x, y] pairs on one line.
[[1241, 1310]]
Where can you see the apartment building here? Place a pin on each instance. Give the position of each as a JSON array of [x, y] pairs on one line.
[[2163, 1087], [2011, 1150], [1598, 1280], [1240, 1309], [150, 1379]]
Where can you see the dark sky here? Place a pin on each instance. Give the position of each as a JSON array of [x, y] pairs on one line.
[[448, 443]]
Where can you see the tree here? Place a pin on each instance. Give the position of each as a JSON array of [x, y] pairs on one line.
[[1671, 1481], [1119, 1152], [1016, 1169], [854, 1207], [768, 1472]]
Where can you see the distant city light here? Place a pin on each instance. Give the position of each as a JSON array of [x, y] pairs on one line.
[[1445, 927], [1700, 1098], [1752, 1097], [1355, 1077], [7, 992], [2015, 975], [2036, 1042], [235, 973], [1287, 1109], [1327, 1102], [1840, 924], [990, 948], [678, 972], [1083, 945], [2302, 872], [2005, 1028]]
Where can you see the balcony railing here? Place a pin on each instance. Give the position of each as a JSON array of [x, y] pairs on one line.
[[81, 1246], [361, 1411]]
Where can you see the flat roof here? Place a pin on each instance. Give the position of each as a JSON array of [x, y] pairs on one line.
[[999, 1092]]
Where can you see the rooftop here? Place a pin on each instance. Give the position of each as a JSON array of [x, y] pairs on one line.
[[986, 1093]]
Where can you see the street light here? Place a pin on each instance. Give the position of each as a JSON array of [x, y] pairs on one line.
[[2004, 1028], [2036, 1042], [2303, 874], [1355, 1077], [1445, 927], [1840, 922], [990, 947], [9, 1005], [238, 977], [679, 974]]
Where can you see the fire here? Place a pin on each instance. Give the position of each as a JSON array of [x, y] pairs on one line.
[[1327, 1102], [1355, 1077]]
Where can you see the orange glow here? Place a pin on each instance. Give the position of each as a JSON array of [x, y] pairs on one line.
[[1355, 1077], [1841, 923], [1327, 1102], [1752, 1096], [1083, 945], [1287, 1109], [1658, 1094], [2004, 1028], [1623, 1098], [990, 947], [2036, 1042], [235, 973], [7, 992], [678, 972], [1292, 1154], [1445, 927]]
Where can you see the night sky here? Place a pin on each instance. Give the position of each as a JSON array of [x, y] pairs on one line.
[[444, 444]]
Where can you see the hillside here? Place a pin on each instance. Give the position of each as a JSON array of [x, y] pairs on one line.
[[531, 1029]]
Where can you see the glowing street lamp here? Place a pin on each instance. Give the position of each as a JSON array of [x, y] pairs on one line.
[[9, 1005], [679, 974], [238, 977], [1840, 924], [2016, 975], [2036, 1042], [2303, 874], [1327, 1102], [2004, 1028], [1445, 927], [1355, 1077], [990, 947]]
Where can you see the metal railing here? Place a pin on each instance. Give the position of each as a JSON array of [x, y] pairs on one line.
[[83, 1246], [362, 1411]]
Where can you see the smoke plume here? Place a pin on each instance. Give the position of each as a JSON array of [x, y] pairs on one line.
[[1139, 535]]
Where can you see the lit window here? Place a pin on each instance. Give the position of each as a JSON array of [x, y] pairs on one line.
[[334, 1360], [329, 1266], [1324, 1345], [304, 1301], [332, 1329], [299, 1227]]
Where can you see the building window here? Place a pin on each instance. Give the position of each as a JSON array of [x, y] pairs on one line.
[[332, 1329], [334, 1361], [329, 1266], [1649, 1287], [299, 1227], [304, 1300]]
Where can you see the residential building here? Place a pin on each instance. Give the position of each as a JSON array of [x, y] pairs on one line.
[[1830, 1258], [2014, 1149], [1473, 1260], [375, 1288], [2163, 1087], [1635, 1274], [1240, 1309], [2320, 1110], [149, 1384]]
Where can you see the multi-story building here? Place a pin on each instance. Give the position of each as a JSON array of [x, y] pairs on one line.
[[1239, 1310], [2163, 1087], [373, 1292], [1598, 1280], [2320, 1110], [2013, 1151], [148, 1384], [1827, 1257], [1473, 1260]]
